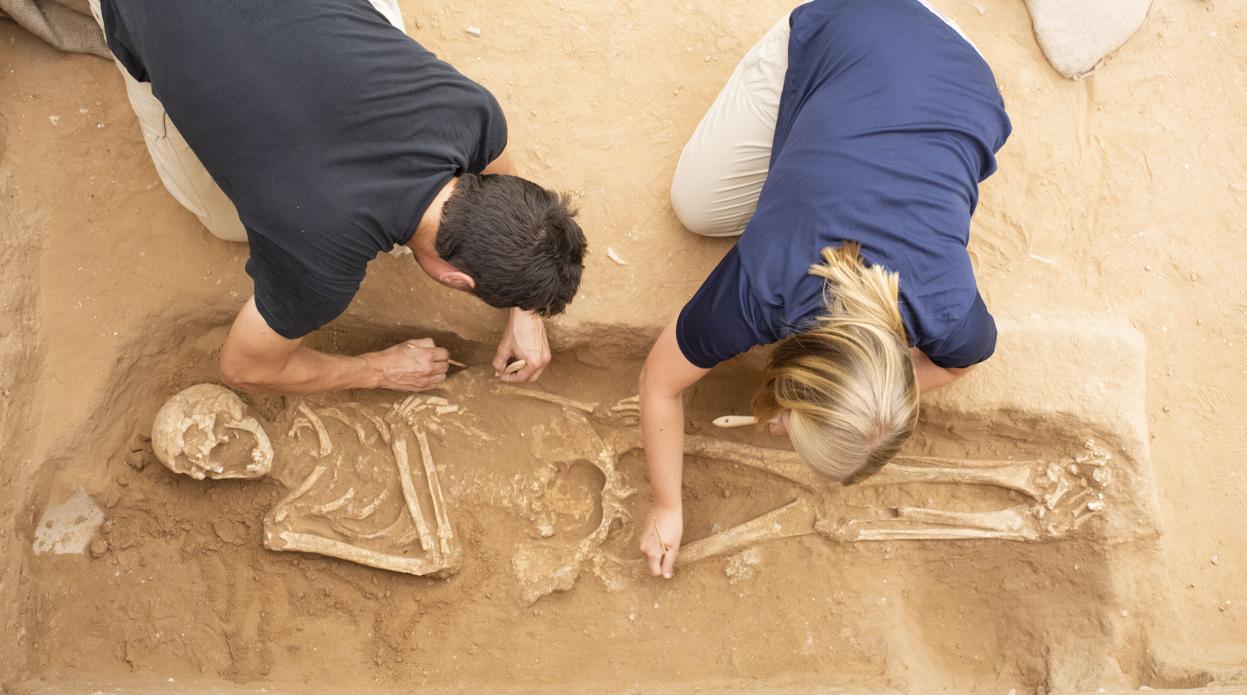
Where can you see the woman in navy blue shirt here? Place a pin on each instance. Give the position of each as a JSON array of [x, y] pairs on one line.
[[846, 151]]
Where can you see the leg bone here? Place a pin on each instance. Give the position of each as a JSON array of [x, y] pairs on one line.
[[583, 406], [793, 519], [1011, 476]]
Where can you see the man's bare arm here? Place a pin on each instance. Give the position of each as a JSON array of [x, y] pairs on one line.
[[257, 358], [931, 375]]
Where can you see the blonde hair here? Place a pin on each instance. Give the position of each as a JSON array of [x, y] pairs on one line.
[[848, 381]]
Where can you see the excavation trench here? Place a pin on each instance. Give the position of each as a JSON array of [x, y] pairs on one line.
[[179, 585]]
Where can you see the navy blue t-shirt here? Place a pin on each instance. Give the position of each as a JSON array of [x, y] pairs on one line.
[[888, 121], [329, 128]]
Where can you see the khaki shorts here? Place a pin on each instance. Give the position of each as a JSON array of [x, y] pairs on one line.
[[724, 165], [179, 169]]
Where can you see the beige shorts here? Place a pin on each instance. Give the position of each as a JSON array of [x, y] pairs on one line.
[[724, 165], [179, 169]]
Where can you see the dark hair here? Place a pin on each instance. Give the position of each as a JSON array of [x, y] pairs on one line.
[[517, 240]]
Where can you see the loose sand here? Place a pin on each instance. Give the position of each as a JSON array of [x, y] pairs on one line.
[[1122, 196]]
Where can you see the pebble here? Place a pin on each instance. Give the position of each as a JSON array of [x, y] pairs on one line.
[[474, 31], [1215, 559], [99, 546]]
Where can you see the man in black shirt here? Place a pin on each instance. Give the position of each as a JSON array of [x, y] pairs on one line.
[[323, 135]]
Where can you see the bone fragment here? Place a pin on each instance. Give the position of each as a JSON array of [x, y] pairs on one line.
[[556, 399], [728, 421], [399, 447], [262, 452], [307, 543], [326, 446], [1052, 499], [446, 409], [370, 508], [382, 428], [445, 534], [334, 505], [387, 532], [280, 510], [353, 424], [299, 424]]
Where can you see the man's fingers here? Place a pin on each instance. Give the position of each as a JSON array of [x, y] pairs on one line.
[[440, 354], [668, 562], [421, 343]]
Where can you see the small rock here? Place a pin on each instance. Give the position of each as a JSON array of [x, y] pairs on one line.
[[1215, 559], [137, 459], [99, 546], [54, 120], [474, 31]]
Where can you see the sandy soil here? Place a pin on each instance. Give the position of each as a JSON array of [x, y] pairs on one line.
[[1121, 196]]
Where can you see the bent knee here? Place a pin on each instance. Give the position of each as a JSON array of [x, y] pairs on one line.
[[695, 206], [225, 227]]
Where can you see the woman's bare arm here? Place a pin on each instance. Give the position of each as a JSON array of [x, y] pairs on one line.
[[931, 375], [666, 375]]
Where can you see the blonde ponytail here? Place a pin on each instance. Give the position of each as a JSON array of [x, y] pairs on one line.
[[848, 381]]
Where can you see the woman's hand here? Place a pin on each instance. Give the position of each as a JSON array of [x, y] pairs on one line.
[[660, 540], [524, 339]]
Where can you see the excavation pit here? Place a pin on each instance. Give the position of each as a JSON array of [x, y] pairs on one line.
[[871, 585]]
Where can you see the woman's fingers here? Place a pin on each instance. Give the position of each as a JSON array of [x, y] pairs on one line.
[[654, 556], [668, 562]]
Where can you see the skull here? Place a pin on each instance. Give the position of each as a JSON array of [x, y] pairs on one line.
[[199, 432]]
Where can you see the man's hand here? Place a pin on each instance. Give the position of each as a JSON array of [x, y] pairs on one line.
[[414, 365], [660, 539], [523, 339]]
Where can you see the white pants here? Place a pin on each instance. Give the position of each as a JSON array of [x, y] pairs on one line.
[[179, 169], [724, 165]]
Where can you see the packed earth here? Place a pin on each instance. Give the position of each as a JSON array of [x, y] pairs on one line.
[[1068, 519]]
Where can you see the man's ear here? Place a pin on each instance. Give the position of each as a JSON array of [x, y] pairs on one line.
[[458, 280]]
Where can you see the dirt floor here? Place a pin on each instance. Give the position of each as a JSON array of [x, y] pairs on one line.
[[1121, 200]]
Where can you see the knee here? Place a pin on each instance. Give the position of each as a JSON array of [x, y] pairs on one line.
[[225, 227], [694, 207]]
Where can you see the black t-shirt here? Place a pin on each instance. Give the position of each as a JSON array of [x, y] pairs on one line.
[[329, 129]]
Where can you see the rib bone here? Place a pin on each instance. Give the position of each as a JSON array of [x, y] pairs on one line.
[[322, 435]]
